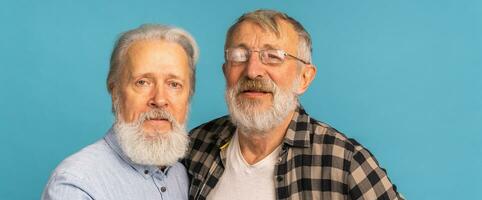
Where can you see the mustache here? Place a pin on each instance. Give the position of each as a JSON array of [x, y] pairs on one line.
[[256, 85], [157, 114]]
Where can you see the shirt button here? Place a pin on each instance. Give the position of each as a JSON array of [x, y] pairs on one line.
[[279, 178], [163, 189], [146, 171]]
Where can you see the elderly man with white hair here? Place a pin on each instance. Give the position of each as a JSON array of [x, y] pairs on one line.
[[268, 147], [151, 81]]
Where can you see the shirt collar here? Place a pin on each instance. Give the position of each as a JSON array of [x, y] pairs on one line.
[[223, 132], [145, 170], [297, 134], [299, 129]]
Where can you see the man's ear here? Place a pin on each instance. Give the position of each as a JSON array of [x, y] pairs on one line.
[[113, 98], [110, 88], [307, 74], [224, 69]]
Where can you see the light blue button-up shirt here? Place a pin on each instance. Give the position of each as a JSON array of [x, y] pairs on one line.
[[102, 171]]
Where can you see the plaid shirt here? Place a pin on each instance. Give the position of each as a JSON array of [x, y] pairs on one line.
[[316, 162]]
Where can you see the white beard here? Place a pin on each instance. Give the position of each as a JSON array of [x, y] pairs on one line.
[[251, 119], [164, 150]]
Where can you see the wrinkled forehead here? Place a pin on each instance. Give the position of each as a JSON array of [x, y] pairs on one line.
[[159, 57], [251, 34]]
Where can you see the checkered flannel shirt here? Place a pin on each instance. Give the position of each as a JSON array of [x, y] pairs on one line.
[[316, 162]]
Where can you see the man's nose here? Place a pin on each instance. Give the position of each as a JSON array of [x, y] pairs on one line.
[[158, 98], [254, 66]]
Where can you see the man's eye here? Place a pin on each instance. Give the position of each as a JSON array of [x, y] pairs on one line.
[[142, 82], [237, 55], [175, 85], [273, 56]]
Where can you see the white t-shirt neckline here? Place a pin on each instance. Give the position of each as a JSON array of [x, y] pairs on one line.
[[241, 180]]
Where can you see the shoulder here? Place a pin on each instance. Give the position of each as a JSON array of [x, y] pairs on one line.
[[338, 144], [324, 134], [180, 173], [365, 178], [204, 140], [74, 176], [210, 128], [206, 135], [87, 162]]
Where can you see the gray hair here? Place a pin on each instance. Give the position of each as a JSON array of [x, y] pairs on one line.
[[267, 20], [152, 32]]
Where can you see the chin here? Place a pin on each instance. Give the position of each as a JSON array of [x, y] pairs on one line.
[[147, 147], [152, 134]]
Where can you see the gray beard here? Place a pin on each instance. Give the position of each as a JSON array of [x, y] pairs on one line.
[[250, 119], [164, 150]]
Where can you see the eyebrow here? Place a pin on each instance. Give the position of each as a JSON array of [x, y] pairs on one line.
[[242, 45], [133, 76], [150, 75], [170, 75], [269, 46], [265, 46]]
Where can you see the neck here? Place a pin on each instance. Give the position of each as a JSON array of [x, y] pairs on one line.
[[256, 146]]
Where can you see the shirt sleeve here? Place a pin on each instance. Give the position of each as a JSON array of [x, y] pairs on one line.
[[367, 180], [64, 186]]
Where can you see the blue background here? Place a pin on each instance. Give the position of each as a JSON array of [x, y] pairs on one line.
[[402, 77]]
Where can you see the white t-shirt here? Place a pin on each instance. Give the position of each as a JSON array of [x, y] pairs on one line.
[[241, 180]]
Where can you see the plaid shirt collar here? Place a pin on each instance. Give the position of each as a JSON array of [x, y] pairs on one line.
[[297, 134]]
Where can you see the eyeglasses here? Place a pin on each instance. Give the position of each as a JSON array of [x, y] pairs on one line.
[[267, 56]]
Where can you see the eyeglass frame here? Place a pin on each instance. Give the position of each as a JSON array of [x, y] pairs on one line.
[[260, 51]]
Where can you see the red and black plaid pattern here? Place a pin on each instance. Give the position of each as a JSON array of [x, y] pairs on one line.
[[316, 162]]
